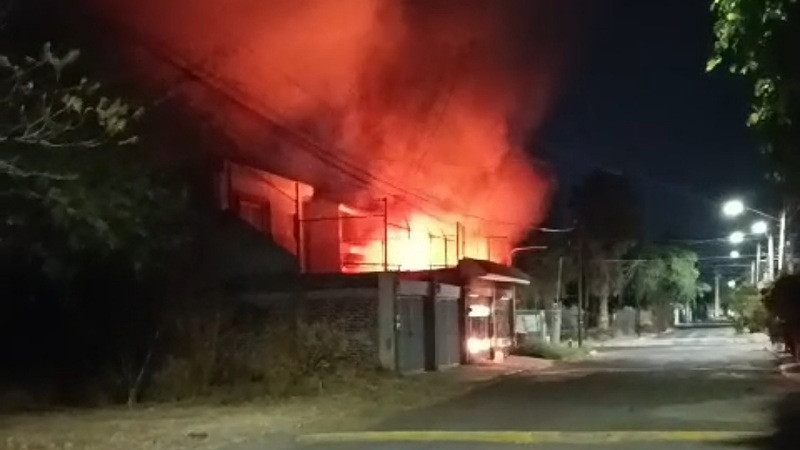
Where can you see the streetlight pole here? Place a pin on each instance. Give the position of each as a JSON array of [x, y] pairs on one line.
[[782, 241], [771, 256], [716, 295], [581, 289], [758, 263], [555, 325]]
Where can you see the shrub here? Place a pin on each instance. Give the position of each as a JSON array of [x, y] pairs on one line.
[[175, 380], [238, 357], [749, 309], [781, 300]]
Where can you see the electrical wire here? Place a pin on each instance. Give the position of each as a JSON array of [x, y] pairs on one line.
[[303, 141], [227, 89]]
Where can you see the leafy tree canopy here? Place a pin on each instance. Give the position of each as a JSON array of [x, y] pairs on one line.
[[757, 39], [72, 178], [664, 274]]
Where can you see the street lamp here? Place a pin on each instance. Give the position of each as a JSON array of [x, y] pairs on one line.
[[737, 237], [732, 284], [733, 208], [759, 227], [735, 254]]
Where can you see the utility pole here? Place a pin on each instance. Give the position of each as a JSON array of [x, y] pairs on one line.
[[758, 263], [555, 328], [771, 256], [782, 241], [717, 311], [459, 250], [385, 234], [580, 292], [753, 273], [299, 231]]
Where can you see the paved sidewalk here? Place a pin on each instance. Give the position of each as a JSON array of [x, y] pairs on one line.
[[684, 336]]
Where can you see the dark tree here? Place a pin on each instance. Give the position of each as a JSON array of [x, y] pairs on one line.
[[609, 226]]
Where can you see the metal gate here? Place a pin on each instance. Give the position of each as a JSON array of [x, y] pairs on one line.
[[410, 335], [448, 342]]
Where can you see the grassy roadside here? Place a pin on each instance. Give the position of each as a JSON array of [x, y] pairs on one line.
[[357, 403]]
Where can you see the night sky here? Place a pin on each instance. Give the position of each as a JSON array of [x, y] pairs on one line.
[[638, 101]]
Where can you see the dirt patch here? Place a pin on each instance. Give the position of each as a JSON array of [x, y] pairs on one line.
[[362, 402]]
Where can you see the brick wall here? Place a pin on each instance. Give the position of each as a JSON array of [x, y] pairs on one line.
[[352, 310], [358, 318]]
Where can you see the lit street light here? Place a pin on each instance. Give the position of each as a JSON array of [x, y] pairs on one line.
[[759, 227], [737, 237], [732, 284], [735, 254], [733, 208]]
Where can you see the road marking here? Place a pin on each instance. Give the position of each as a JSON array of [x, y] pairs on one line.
[[529, 437]]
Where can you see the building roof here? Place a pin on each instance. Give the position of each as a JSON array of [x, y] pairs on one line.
[[492, 271]]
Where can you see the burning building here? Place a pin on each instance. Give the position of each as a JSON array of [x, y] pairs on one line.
[[364, 135], [425, 106], [330, 236]]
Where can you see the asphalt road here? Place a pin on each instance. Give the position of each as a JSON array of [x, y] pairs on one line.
[[694, 388]]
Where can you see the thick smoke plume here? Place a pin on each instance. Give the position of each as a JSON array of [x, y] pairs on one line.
[[429, 101]]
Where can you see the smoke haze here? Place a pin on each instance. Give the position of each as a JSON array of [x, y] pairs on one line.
[[432, 100]]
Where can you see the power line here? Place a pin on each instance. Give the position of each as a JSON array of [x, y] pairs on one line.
[[302, 140], [243, 100], [639, 175]]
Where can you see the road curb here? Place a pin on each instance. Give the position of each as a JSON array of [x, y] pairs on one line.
[[529, 437], [784, 370]]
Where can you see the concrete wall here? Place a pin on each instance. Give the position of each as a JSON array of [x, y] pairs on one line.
[[367, 313]]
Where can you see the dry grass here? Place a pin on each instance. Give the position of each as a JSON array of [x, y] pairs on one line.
[[359, 403]]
